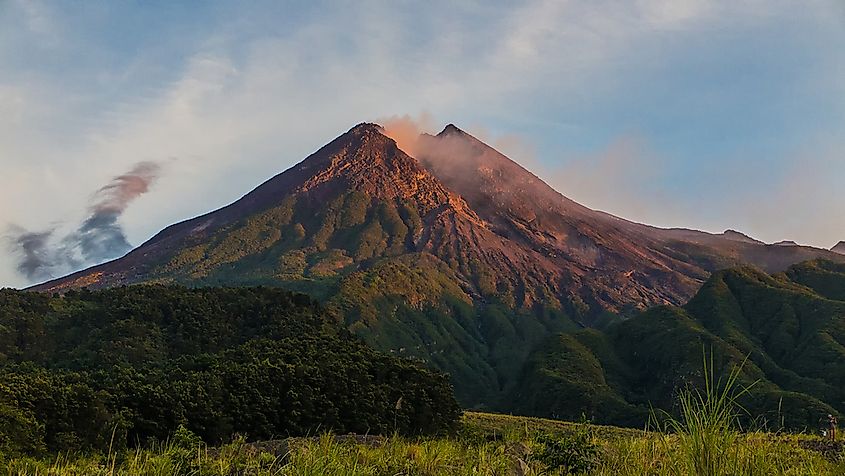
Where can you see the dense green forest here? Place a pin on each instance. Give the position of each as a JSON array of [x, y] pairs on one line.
[[93, 369], [790, 327]]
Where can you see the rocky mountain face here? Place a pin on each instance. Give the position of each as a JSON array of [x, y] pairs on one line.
[[839, 248], [607, 262], [458, 256]]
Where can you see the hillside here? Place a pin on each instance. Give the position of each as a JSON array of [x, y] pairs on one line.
[[109, 368], [790, 325], [459, 257]]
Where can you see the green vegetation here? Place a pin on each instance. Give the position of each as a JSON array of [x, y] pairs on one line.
[[791, 328], [113, 368], [486, 444], [156, 380]]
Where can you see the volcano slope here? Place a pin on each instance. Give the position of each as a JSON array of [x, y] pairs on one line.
[[462, 258]]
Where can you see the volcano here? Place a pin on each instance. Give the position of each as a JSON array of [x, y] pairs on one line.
[[458, 256]]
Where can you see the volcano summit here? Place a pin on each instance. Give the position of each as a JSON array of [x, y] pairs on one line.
[[458, 256]]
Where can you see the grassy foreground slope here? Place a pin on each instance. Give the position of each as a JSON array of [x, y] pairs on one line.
[[790, 326], [486, 444], [118, 367]]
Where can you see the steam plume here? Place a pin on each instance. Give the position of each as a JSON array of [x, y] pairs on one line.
[[406, 130], [415, 136], [453, 154], [98, 238]]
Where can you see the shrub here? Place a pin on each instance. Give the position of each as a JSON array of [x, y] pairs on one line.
[[573, 453]]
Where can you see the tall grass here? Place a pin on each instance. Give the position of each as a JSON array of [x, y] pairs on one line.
[[653, 454], [705, 439], [398, 456], [323, 456], [707, 429]]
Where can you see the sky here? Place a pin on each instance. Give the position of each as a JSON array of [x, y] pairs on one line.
[[701, 114]]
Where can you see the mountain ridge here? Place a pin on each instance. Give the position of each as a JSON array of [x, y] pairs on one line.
[[423, 183], [458, 256]]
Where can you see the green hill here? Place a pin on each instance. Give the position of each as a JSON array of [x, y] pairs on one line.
[[791, 327], [121, 366]]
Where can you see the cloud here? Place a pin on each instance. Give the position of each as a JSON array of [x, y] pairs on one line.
[[244, 93], [98, 238]]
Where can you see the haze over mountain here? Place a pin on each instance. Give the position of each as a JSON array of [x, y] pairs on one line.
[[458, 256]]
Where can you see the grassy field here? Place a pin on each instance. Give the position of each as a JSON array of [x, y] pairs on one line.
[[486, 444]]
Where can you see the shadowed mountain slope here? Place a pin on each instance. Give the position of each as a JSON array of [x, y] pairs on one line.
[[790, 326]]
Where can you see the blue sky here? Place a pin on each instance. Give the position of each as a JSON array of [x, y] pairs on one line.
[[702, 114]]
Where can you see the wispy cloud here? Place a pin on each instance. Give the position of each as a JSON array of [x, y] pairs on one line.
[[237, 97]]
